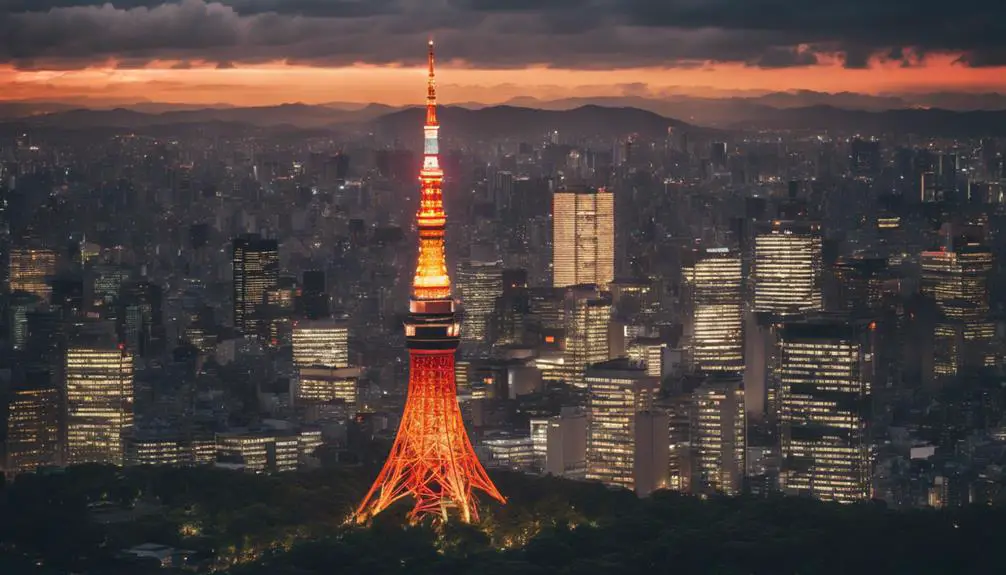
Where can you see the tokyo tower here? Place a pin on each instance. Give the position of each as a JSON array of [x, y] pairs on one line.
[[432, 459]]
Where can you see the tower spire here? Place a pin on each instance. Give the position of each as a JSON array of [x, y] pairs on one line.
[[431, 281], [431, 90]]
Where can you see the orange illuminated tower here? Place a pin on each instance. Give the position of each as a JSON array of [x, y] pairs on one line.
[[432, 459]]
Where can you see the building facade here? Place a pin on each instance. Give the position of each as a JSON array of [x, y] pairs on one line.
[[627, 440], [718, 434], [787, 268], [256, 272], [717, 291], [825, 377], [99, 404], [583, 237]]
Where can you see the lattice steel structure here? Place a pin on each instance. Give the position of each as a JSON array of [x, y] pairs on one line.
[[432, 459]]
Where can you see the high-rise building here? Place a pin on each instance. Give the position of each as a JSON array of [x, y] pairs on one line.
[[956, 278], [432, 459], [480, 282], [321, 343], [140, 319], [787, 268], [30, 268], [627, 440], [20, 305], [583, 237], [256, 271], [859, 283], [587, 317], [717, 310], [99, 403], [718, 434], [32, 424], [825, 377]]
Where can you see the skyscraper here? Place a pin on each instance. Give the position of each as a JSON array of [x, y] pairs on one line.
[[256, 271], [432, 459], [587, 317], [956, 278], [99, 403], [825, 377], [627, 440], [718, 434], [717, 311], [30, 268], [480, 282], [583, 237], [787, 268], [32, 423], [140, 319]]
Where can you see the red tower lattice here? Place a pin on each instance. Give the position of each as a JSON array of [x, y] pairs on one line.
[[432, 459]]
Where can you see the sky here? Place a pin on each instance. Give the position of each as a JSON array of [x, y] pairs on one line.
[[257, 52]]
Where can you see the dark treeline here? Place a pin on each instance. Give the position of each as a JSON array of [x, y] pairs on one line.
[[79, 521]]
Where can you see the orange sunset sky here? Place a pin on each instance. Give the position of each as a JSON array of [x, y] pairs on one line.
[[274, 83]]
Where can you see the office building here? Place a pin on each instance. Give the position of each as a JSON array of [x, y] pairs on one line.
[[859, 283], [587, 317], [583, 237], [99, 403], [321, 343], [718, 434], [825, 377], [480, 282], [30, 270], [153, 450], [256, 271], [140, 319], [32, 440], [512, 452], [956, 278], [325, 384], [258, 452], [565, 444], [717, 293], [787, 268], [627, 440]]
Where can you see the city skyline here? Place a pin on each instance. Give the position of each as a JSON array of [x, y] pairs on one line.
[[605, 327]]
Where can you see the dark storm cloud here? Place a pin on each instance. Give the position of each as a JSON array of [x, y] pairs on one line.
[[319, 8], [501, 33], [857, 27], [784, 58]]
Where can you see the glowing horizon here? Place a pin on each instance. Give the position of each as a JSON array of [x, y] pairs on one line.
[[275, 83]]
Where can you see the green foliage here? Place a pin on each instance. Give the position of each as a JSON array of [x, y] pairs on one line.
[[296, 524]]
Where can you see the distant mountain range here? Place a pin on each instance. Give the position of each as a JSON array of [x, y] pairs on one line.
[[947, 114], [532, 123], [297, 115]]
